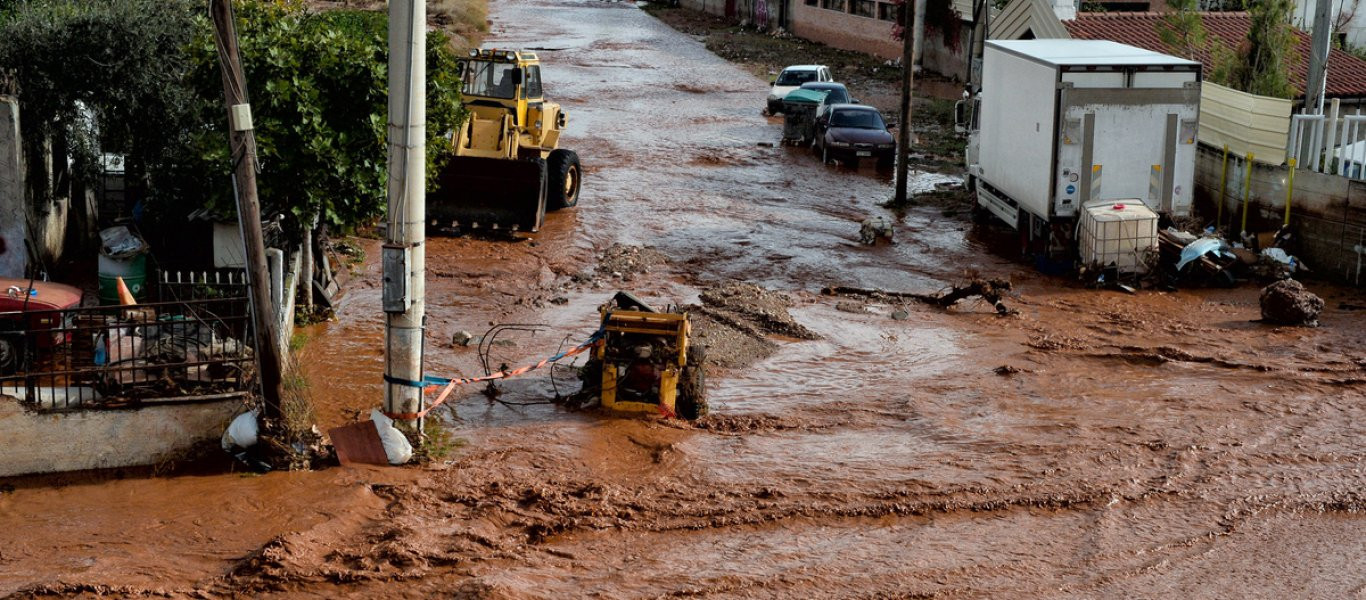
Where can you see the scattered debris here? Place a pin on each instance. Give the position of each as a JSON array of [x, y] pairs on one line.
[[991, 290], [877, 228], [735, 321], [901, 314], [1287, 302], [462, 338], [1004, 370]]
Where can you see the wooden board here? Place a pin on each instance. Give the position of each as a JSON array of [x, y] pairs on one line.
[[358, 443]]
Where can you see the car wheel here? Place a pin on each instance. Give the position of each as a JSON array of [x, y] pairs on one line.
[[11, 356], [825, 154]]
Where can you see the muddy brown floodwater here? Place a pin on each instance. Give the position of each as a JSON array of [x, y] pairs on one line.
[[1149, 445]]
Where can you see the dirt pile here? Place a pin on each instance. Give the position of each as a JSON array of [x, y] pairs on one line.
[[735, 321], [1286, 302], [622, 261]]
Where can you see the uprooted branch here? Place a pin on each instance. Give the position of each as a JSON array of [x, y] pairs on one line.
[[991, 290]]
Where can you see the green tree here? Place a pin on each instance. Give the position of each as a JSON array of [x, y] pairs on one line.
[[1181, 29], [118, 64], [319, 91], [1261, 63]]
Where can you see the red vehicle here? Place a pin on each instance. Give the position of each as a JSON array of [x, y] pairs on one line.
[[29, 311]]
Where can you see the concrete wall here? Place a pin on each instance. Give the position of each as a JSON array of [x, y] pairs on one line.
[[874, 36], [1328, 211], [54, 442], [13, 217]]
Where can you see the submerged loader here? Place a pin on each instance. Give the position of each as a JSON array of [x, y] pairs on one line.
[[508, 169]]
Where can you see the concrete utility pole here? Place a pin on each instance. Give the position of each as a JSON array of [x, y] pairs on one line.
[[1318, 56], [918, 50], [243, 145], [903, 146], [404, 251]]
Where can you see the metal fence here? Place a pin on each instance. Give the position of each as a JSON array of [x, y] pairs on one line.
[[1334, 143], [114, 356]]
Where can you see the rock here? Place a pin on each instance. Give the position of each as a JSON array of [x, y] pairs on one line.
[[462, 338], [559, 300], [873, 229], [1286, 302], [901, 314]]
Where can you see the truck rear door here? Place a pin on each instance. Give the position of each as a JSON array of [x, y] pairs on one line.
[[1126, 135]]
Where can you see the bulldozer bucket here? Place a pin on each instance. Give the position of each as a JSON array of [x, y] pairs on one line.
[[489, 193]]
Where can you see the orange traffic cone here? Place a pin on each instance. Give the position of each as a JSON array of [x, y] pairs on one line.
[[125, 296]]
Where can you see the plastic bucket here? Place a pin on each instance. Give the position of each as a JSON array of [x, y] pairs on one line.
[[132, 270]]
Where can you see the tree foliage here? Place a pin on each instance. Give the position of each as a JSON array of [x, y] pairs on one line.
[[1261, 63], [147, 73], [1181, 28], [319, 91], [116, 63]]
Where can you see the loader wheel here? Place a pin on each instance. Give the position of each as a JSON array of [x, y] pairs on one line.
[[692, 386], [565, 176]]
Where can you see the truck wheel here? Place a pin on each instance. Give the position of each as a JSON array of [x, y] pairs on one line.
[[692, 386], [565, 176]]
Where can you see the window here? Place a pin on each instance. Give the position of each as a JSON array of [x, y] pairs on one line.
[[857, 119], [490, 80], [812, 2], [887, 12], [863, 8], [833, 5], [533, 82]]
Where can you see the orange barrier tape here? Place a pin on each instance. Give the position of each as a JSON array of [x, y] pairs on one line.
[[450, 384]]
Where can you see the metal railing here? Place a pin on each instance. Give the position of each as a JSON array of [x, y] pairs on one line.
[[1330, 144], [114, 356]]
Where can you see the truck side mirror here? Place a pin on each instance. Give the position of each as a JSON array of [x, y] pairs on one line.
[[772, 84], [960, 117]]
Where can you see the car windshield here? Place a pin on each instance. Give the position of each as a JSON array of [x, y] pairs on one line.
[[490, 80], [857, 119], [796, 77]]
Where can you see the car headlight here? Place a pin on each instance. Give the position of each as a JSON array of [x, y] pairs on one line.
[[839, 144]]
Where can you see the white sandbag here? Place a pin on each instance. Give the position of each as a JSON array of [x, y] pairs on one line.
[[396, 445], [241, 432]]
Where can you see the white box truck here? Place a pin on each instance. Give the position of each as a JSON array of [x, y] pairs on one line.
[[1062, 124]]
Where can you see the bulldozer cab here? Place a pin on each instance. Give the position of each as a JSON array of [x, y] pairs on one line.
[[503, 80]]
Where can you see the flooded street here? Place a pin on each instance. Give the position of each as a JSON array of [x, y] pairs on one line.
[[1096, 444]]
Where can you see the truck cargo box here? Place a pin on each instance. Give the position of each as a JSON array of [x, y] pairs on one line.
[[1061, 123]]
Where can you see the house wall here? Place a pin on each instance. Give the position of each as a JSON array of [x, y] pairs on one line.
[[1327, 211], [54, 442], [13, 221], [833, 22]]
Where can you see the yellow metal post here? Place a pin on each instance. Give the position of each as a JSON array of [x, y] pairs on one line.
[[1289, 191], [1247, 189], [1223, 193]]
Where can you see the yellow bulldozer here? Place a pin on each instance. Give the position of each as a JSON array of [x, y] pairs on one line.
[[508, 168]]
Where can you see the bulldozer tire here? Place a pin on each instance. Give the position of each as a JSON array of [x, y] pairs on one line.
[[692, 386], [565, 177]]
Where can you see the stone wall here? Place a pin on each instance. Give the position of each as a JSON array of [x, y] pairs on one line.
[[1328, 211]]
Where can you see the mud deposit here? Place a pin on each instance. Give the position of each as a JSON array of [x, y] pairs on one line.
[[1148, 445]]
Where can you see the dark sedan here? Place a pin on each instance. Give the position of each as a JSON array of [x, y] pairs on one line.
[[849, 132]]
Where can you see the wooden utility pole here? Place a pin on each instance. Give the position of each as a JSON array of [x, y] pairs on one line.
[[903, 146], [243, 145]]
